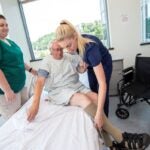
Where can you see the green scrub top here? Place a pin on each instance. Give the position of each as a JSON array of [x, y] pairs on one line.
[[12, 65]]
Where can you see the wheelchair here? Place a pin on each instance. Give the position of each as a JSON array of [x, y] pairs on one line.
[[134, 86]]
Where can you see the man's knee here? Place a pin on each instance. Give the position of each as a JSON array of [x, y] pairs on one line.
[[80, 99]]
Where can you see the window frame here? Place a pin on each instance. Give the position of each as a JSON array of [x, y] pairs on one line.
[[105, 12], [26, 29]]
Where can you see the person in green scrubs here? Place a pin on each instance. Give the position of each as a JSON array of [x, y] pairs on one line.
[[12, 73]]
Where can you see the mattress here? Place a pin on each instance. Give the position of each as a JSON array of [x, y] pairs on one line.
[[54, 128]]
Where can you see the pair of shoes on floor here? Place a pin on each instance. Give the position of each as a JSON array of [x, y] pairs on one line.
[[132, 141]]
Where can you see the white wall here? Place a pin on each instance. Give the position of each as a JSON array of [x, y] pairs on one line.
[[125, 29]]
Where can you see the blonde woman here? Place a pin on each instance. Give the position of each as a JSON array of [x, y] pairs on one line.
[[95, 55]]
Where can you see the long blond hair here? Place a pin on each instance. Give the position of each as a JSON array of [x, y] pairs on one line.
[[67, 30]]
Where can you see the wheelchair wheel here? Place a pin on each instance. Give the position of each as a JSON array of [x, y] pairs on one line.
[[122, 113]]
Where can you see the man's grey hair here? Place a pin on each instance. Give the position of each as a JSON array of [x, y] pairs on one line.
[[50, 44]]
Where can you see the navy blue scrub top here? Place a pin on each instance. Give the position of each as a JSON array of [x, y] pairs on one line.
[[95, 52]]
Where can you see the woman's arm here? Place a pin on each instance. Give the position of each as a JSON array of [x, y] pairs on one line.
[[100, 75], [5, 87], [30, 69], [33, 110]]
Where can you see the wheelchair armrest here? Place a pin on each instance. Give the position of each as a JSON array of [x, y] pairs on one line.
[[127, 75], [128, 70], [138, 54]]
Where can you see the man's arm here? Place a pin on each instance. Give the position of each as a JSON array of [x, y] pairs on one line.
[[33, 110]]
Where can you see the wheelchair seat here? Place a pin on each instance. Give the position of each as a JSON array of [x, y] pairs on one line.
[[134, 86], [135, 89]]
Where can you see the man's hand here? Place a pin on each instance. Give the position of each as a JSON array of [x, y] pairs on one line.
[[32, 111]]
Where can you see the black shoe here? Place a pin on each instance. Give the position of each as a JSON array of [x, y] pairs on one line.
[[115, 146], [134, 141]]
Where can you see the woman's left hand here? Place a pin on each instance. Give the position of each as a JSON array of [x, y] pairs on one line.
[[83, 65], [34, 72], [98, 120]]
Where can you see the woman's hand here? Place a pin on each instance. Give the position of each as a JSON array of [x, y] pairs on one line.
[[10, 95], [34, 72], [32, 111], [30, 69], [82, 67], [98, 120]]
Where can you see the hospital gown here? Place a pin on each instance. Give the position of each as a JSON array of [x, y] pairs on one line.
[[62, 78]]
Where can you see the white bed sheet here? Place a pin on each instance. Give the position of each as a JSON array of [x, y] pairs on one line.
[[54, 128]]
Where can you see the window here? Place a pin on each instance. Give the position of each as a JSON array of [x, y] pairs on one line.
[[40, 25], [145, 11]]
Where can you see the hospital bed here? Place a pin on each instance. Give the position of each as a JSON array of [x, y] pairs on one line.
[[54, 128]]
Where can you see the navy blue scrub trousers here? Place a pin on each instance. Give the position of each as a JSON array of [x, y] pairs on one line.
[[93, 83]]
